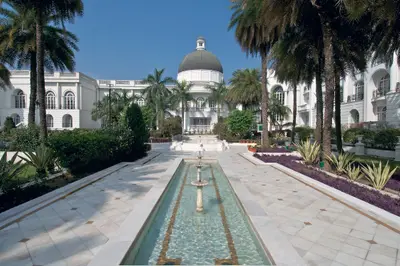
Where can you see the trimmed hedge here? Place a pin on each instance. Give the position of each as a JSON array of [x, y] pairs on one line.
[[304, 132], [83, 151], [383, 139]]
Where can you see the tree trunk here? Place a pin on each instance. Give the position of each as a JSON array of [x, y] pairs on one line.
[[264, 99], [40, 75], [338, 122], [183, 117], [329, 89], [218, 111], [33, 92], [294, 111], [320, 104]]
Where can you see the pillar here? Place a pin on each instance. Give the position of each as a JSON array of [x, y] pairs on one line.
[[360, 147]]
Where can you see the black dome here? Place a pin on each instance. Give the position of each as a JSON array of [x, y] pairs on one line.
[[200, 59]]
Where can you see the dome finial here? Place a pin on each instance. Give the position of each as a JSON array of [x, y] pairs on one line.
[[201, 43]]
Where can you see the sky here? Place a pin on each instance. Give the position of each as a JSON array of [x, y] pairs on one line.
[[128, 39]]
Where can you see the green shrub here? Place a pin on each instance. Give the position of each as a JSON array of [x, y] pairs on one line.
[[221, 130], [172, 126], [354, 173], [308, 151], [240, 122], [377, 175], [304, 133], [135, 122], [351, 135], [9, 171], [8, 124], [341, 162], [386, 139], [40, 159], [91, 150], [25, 138]]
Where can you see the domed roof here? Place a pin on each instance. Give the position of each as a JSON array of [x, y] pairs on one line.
[[200, 59]]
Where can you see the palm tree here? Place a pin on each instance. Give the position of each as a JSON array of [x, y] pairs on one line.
[[256, 38], [386, 25], [18, 35], [278, 113], [62, 10], [181, 95], [119, 102], [157, 92], [4, 77], [245, 88], [218, 96], [294, 63]]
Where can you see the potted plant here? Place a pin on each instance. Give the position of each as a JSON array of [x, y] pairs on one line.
[[252, 148]]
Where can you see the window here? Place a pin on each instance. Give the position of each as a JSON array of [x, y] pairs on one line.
[[49, 121], [69, 100], [200, 103], [359, 91], [67, 121], [200, 44], [381, 113], [384, 84], [16, 118], [50, 100], [141, 102], [211, 104], [20, 100], [279, 94]]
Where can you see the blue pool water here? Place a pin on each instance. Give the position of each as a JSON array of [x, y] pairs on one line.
[[177, 234]]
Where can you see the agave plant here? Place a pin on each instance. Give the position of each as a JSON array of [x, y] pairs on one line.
[[40, 159], [9, 172], [353, 173], [341, 162], [378, 175], [309, 151]]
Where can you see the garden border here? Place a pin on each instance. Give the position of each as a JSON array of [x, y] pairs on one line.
[[379, 215], [21, 211]]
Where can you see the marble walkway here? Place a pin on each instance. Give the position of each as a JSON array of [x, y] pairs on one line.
[[71, 231], [323, 231]]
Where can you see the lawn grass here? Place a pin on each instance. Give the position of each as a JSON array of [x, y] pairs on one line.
[[368, 159], [27, 173]]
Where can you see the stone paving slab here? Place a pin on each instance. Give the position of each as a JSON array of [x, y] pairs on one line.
[[72, 230], [321, 229]]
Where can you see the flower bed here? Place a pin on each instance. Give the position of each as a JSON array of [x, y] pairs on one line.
[[371, 196], [274, 150], [160, 140]]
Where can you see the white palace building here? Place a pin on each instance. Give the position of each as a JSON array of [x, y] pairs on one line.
[[372, 96]]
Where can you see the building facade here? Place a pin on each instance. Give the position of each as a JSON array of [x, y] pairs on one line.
[[371, 97]]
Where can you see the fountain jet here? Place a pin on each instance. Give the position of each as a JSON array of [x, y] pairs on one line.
[[199, 183]]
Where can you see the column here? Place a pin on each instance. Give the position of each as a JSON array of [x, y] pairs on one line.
[[59, 97], [79, 87]]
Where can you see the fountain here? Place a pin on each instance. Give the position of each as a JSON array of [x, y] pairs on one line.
[[199, 183]]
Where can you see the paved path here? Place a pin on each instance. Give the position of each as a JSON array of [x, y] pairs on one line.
[[323, 231], [73, 230]]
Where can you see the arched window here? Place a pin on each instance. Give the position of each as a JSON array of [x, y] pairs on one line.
[[381, 113], [141, 102], [20, 100], [67, 121], [200, 103], [211, 104], [49, 121], [355, 116], [384, 84], [69, 100], [279, 94], [16, 118], [359, 90], [50, 100]]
